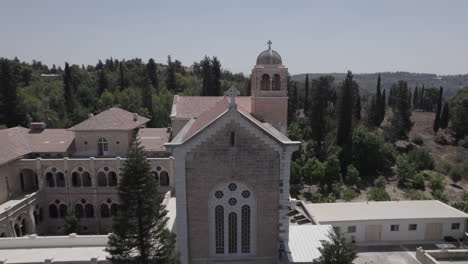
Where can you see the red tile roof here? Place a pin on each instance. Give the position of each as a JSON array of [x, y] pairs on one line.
[[111, 119], [153, 139], [12, 145], [193, 106]]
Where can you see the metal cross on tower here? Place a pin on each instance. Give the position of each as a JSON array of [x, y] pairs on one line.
[[232, 92], [269, 44]]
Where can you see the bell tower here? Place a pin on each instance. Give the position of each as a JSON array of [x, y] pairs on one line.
[[269, 89]]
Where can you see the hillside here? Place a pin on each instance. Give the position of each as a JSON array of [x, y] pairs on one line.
[[367, 81]]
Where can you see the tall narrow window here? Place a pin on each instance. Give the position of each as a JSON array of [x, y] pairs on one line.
[[232, 233], [76, 179], [102, 179], [245, 229], [112, 178], [53, 211], [86, 179], [276, 82], [219, 223], [50, 180], [89, 211], [102, 146], [63, 209], [164, 178], [265, 84], [233, 139], [60, 179], [79, 211], [105, 213]]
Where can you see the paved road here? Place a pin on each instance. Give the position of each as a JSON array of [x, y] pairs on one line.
[[385, 255]]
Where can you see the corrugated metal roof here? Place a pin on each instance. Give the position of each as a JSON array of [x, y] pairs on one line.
[[359, 211], [305, 241]]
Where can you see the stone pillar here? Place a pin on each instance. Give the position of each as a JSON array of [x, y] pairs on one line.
[[181, 207], [40, 178]]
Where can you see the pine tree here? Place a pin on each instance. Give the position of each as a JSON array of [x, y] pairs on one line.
[[140, 235], [152, 73], [170, 78], [416, 98], [439, 109], [445, 116], [207, 89], [216, 77], [306, 96], [401, 120], [336, 250], [345, 120], [68, 89]]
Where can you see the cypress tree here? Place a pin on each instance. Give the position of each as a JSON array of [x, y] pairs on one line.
[[421, 99], [8, 95], [140, 235], [445, 116], [103, 84], [415, 98], [383, 106], [439, 109], [147, 95], [401, 120], [378, 99], [306, 96], [152, 73], [344, 119], [170, 79], [68, 89], [207, 89], [357, 104], [292, 102], [216, 77], [317, 120], [122, 81]]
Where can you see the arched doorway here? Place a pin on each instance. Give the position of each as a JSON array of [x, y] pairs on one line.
[[22, 226], [29, 181]]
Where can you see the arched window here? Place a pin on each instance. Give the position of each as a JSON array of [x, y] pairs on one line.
[[156, 177], [219, 229], [276, 82], [50, 180], [79, 211], [102, 146], [232, 233], [60, 179], [86, 179], [265, 84], [53, 211], [63, 210], [245, 239], [89, 211], [23, 227], [112, 178], [164, 178], [76, 179], [114, 209], [105, 213], [102, 179]]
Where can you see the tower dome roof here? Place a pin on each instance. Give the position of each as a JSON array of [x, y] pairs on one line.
[[269, 57]]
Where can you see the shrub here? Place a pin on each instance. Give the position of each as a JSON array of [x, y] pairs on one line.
[[380, 182], [412, 194], [437, 182], [421, 158], [352, 175], [441, 139], [378, 194], [456, 173], [331, 198], [463, 142], [349, 194], [459, 112], [406, 169], [314, 197], [418, 181], [418, 140], [440, 195]]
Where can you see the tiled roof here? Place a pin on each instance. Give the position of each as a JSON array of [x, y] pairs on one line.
[[193, 106], [48, 140], [111, 119], [18, 141], [12, 145], [153, 139]]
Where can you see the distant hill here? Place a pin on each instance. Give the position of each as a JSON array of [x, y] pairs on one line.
[[368, 81]]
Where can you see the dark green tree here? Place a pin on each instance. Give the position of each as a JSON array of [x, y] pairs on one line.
[[400, 123], [207, 87], [152, 73], [378, 103], [336, 250], [292, 102], [171, 84], [345, 119], [140, 235], [68, 92], [11, 109], [421, 98], [357, 104], [306, 96], [216, 77], [383, 106], [459, 112], [103, 82], [439, 109], [123, 82], [319, 103], [147, 94], [445, 116], [415, 98]]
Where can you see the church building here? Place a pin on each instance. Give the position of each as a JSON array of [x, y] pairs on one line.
[[224, 160]]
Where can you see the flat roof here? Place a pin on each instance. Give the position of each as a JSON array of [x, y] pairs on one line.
[[305, 242], [359, 211], [57, 254]]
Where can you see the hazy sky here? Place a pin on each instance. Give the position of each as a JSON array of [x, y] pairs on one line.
[[311, 36]]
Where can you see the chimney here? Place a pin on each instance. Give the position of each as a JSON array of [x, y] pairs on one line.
[[37, 126], [135, 117]]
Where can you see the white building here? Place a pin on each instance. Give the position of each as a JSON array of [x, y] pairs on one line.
[[392, 221]]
